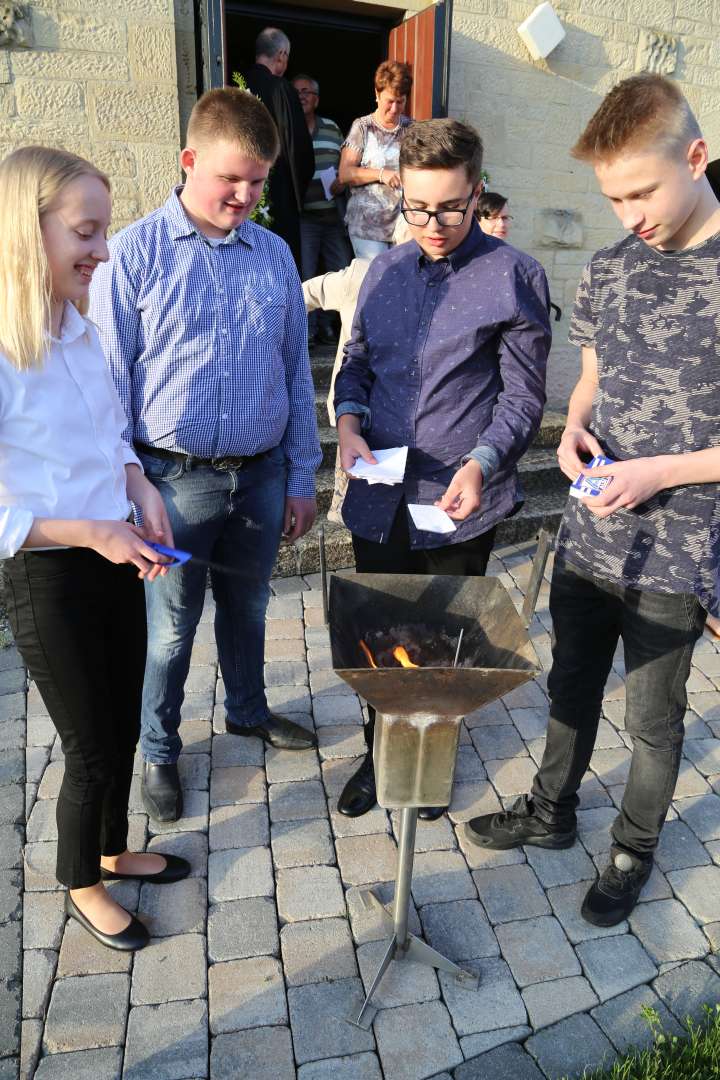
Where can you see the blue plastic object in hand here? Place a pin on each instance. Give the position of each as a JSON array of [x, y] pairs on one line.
[[178, 557]]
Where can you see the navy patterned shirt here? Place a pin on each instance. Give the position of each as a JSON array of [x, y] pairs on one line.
[[446, 357], [652, 317]]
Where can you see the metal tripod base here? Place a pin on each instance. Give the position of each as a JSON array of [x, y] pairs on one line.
[[403, 945]]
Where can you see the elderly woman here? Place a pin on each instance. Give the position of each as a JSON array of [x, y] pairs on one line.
[[493, 215], [369, 163]]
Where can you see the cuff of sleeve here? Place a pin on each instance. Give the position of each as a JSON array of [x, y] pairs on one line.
[[300, 484], [131, 458], [354, 408], [15, 524], [488, 459]]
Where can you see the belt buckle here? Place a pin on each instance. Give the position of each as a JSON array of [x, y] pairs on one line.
[[225, 464]]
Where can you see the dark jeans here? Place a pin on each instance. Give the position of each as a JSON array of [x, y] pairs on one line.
[[659, 631], [79, 623], [322, 241], [232, 517], [467, 559]]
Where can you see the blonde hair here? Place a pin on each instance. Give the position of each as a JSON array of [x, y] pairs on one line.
[[643, 112], [31, 180]]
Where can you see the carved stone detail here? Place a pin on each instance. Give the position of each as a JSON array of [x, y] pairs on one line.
[[656, 52], [559, 228], [15, 26]]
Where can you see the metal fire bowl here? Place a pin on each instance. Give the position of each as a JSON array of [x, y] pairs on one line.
[[495, 644]]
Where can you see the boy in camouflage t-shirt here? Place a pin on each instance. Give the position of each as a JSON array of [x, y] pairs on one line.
[[640, 560]]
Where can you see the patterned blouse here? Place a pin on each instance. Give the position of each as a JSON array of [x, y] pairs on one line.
[[373, 208]]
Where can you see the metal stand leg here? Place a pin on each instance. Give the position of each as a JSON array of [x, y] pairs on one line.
[[403, 945]]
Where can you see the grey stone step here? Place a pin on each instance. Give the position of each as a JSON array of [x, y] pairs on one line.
[[303, 558]]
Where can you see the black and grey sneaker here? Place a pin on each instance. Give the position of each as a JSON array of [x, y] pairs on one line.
[[616, 891], [517, 826]]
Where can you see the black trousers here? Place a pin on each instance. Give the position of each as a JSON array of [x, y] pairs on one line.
[[466, 559], [79, 623], [659, 631]]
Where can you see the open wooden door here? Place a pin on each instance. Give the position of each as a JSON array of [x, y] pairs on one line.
[[423, 41]]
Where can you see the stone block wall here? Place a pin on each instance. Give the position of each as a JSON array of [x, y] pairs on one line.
[[107, 80], [531, 112]]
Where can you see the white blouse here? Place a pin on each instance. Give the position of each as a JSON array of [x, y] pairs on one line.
[[61, 451]]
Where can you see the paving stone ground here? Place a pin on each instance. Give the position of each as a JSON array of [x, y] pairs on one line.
[[258, 960]]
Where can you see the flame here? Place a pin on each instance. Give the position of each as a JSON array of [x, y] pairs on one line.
[[368, 654], [400, 654]]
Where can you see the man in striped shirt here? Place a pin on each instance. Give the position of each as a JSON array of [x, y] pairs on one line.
[[322, 231]]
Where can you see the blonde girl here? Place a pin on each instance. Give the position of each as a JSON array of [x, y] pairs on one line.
[[73, 559]]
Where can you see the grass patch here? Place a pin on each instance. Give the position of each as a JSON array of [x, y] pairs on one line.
[[693, 1057]]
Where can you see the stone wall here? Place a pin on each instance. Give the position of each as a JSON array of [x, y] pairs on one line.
[[101, 78], [531, 112]]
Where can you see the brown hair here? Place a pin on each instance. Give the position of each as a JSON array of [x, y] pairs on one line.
[[442, 144], [392, 75], [642, 111], [235, 116]]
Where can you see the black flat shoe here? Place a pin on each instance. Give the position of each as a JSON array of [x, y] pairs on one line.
[[276, 731], [431, 813], [161, 792], [359, 795], [134, 936], [175, 869]]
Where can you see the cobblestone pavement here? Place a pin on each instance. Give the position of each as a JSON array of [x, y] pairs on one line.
[[259, 957]]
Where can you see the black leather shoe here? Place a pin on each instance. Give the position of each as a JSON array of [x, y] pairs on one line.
[[134, 936], [161, 792], [517, 826], [358, 795], [615, 893], [277, 731], [175, 869], [431, 813]]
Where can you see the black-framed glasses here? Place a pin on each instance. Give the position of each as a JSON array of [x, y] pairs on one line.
[[498, 217], [450, 218]]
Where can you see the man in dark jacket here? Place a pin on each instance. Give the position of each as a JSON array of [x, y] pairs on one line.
[[295, 166]]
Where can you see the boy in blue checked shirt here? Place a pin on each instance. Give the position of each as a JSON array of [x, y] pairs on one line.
[[202, 320]]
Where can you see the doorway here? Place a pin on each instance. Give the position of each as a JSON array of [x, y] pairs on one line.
[[341, 50]]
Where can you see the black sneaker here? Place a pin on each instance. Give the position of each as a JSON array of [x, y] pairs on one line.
[[616, 891], [517, 826]]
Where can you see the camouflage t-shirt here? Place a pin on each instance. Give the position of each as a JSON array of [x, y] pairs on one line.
[[654, 320]]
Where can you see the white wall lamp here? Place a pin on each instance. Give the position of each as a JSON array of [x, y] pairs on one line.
[[542, 31]]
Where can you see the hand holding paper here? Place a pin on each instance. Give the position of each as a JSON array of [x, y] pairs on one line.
[[390, 468], [326, 177], [431, 518]]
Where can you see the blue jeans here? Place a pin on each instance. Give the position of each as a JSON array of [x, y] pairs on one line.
[[659, 631], [232, 517], [368, 249]]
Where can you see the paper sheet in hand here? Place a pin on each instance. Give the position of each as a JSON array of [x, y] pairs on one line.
[[587, 486], [326, 177], [431, 518], [390, 468]]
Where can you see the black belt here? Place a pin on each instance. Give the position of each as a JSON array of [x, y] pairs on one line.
[[191, 460]]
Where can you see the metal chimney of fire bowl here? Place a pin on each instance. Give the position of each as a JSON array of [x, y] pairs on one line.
[[419, 710]]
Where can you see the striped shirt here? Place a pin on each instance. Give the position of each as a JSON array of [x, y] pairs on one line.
[[327, 141], [208, 343]]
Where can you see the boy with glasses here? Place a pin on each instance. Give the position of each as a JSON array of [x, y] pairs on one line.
[[447, 357], [492, 214]]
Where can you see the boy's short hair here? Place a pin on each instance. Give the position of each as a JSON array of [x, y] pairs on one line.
[[442, 144], [645, 112], [489, 203], [395, 76], [236, 116]]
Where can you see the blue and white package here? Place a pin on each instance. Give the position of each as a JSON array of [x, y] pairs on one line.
[[588, 487]]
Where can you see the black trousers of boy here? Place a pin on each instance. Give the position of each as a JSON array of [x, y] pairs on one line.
[[466, 559], [659, 630], [79, 623]]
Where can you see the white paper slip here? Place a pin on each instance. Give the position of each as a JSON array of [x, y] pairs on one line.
[[431, 518], [390, 468], [326, 177]]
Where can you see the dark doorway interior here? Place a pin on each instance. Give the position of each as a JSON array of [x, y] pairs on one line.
[[339, 49]]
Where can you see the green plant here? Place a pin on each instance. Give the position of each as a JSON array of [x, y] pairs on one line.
[[696, 1056], [262, 214]]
